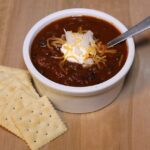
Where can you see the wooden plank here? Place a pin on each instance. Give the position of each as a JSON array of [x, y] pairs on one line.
[[141, 95]]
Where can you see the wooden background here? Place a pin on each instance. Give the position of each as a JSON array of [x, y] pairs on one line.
[[123, 125]]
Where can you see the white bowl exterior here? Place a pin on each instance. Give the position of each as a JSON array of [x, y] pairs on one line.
[[80, 104], [78, 99]]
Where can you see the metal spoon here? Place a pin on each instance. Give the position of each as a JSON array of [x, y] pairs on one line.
[[140, 27]]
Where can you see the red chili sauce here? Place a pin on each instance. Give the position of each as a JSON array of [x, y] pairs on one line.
[[74, 74]]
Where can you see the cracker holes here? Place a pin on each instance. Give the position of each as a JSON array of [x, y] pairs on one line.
[[41, 113], [36, 132], [46, 134], [30, 121], [6, 118], [20, 118], [34, 141], [21, 97], [48, 124], [13, 108], [27, 129], [32, 111], [50, 116]]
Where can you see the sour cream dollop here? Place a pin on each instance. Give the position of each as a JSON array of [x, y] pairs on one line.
[[79, 47]]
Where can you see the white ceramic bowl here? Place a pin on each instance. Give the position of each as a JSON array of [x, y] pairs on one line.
[[78, 99]]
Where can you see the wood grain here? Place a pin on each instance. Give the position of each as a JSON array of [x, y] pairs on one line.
[[123, 125]]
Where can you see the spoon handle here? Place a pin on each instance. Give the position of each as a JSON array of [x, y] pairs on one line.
[[140, 27]]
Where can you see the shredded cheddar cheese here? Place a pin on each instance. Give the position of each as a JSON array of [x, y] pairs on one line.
[[80, 47]]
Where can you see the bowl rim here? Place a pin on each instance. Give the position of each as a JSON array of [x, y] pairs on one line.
[[71, 89]]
